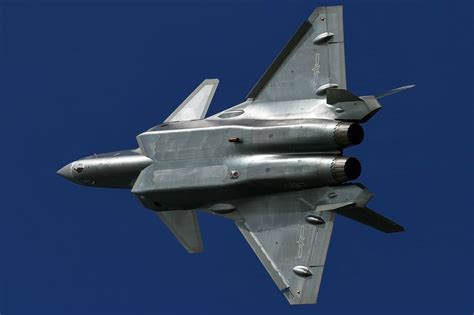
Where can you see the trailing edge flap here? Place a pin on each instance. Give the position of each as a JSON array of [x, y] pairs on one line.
[[185, 227], [371, 218], [195, 106]]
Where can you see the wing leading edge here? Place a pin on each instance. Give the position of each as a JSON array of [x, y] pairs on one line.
[[311, 62], [293, 254]]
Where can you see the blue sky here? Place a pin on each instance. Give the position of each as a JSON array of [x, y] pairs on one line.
[[84, 77]]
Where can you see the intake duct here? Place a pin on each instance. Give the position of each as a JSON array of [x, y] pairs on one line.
[[344, 169], [347, 134]]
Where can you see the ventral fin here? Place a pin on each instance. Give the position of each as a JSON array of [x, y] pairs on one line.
[[185, 227], [195, 106]]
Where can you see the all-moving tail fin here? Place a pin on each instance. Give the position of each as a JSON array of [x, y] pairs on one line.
[[356, 108], [371, 218], [184, 225], [393, 91], [195, 106], [357, 211]]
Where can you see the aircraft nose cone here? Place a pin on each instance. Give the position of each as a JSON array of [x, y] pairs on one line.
[[65, 171]]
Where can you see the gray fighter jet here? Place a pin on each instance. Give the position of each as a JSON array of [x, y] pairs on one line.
[[274, 164]]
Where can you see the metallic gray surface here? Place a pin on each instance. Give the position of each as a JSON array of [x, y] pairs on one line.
[[274, 163], [195, 106], [111, 170], [185, 227]]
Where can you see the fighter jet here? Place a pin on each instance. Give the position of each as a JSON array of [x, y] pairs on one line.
[[273, 164]]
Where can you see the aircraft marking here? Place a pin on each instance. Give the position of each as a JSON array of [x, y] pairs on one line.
[[300, 242]]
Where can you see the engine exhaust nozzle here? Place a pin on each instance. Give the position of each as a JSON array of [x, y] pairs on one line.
[[344, 169], [348, 134]]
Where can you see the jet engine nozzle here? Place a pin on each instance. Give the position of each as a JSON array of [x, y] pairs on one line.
[[344, 169], [348, 134]]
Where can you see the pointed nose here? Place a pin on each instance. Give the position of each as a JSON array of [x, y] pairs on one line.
[[65, 171]]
